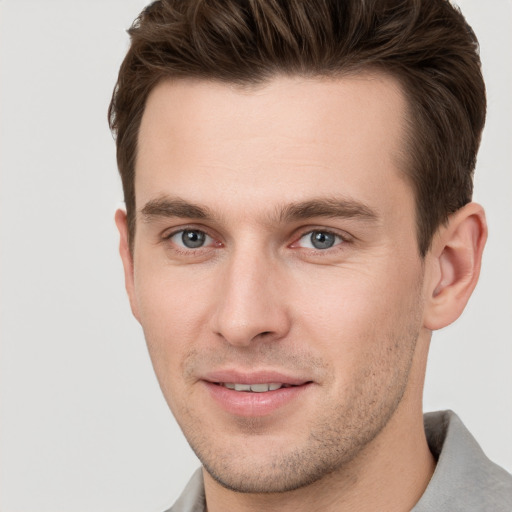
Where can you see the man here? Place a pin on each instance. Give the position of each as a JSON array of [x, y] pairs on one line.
[[298, 180]]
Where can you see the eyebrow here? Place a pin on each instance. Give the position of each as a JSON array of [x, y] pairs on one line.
[[168, 207], [326, 207], [173, 207]]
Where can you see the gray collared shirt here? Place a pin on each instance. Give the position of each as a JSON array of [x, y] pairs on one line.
[[464, 480]]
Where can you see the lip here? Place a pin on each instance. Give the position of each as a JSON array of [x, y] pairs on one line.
[[259, 377], [250, 404]]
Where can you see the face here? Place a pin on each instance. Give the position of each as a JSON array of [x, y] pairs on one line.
[[275, 271]]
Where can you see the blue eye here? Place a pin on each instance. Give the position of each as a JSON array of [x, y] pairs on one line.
[[190, 238], [320, 240]]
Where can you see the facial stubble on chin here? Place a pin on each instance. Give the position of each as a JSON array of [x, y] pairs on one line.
[[332, 441]]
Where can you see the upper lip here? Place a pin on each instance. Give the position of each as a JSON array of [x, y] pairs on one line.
[[253, 377]]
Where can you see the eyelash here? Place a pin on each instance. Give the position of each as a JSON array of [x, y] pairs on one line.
[[188, 250], [340, 239]]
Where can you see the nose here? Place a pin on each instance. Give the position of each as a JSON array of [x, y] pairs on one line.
[[252, 301]]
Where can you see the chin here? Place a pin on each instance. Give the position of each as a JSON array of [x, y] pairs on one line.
[[273, 467]]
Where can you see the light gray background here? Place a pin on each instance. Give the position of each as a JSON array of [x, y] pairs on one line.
[[83, 425]]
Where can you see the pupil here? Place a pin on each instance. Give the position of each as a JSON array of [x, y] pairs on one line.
[[192, 239], [322, 240]]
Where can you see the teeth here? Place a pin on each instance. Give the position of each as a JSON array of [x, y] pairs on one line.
[[260, 388], [255, 388], [242, 387]]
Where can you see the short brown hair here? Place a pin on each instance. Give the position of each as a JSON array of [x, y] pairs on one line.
[[425, 44]]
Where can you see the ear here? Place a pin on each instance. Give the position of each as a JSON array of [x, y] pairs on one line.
[[127, 259], [454, 265]]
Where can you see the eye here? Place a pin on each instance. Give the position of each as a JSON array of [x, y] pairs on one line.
[[319, 240], [190, 238]]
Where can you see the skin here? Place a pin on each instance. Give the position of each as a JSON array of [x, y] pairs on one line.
[[353, 320]]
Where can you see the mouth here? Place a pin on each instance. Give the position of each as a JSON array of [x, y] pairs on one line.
[[254, 388], [255, 394]]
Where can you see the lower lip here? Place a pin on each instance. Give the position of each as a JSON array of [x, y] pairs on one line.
[[250, 404]]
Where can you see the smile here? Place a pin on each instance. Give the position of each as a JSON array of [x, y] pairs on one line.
[[255, 398], [254, 388]]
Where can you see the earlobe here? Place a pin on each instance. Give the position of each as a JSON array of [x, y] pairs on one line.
[[127, 258], [455, 260]]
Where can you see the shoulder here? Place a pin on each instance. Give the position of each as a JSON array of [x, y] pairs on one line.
[[464, 479], [192, 498]]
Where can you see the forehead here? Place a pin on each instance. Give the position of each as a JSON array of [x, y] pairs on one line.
[[287, 140]]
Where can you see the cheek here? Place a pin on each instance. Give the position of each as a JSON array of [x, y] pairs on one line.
[[356, 315], [173, 312], [366, 334], [171, 299], [342, 299]]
